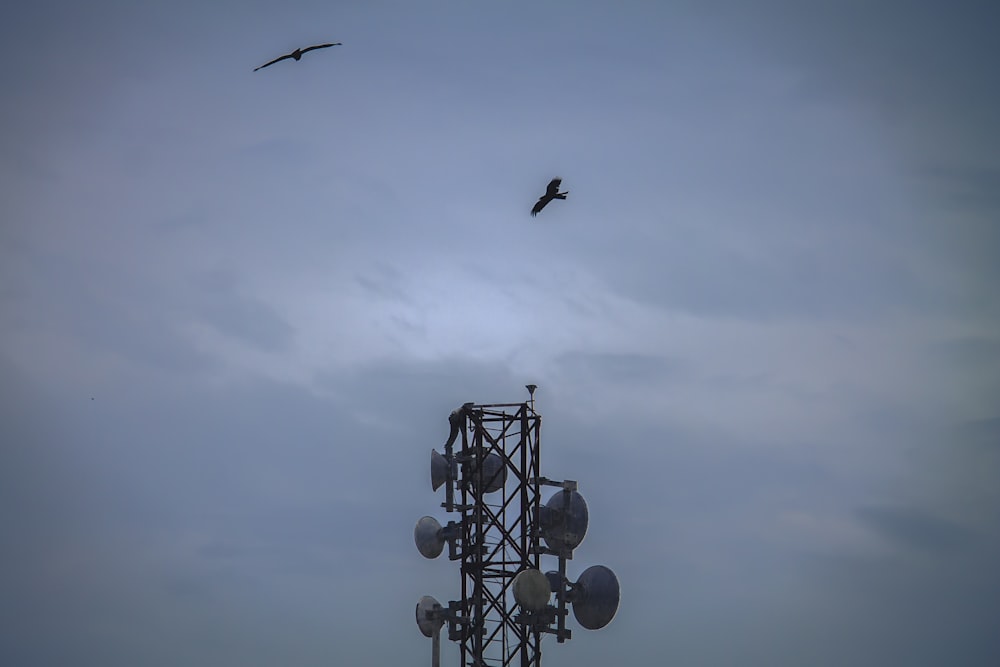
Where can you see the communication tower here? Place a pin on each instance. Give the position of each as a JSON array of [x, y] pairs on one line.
[[490, 471]]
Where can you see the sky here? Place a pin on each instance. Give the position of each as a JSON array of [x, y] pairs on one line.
[[237, 307]]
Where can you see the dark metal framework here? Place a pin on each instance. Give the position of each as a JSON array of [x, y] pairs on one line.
[[497, 533]]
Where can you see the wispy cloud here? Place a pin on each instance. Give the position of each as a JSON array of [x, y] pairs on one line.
[[763, 324]]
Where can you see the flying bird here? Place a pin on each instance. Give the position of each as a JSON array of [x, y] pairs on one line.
[[551, 192], [297, 54]]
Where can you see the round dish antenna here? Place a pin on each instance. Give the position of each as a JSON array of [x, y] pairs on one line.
[[429, 537], [564, 520], [595, 597], [531, 590], [439, 470], [429, 618], [494, 473]]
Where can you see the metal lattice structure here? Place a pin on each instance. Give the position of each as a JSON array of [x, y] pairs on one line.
[[491, 474], [496, 531]]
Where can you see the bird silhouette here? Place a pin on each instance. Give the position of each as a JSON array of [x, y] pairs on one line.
[[297, 54], [551, 192]]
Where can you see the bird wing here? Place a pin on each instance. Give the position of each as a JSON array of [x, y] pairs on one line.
[[319, 46], [553, 188], [287, 55], [540, 204]]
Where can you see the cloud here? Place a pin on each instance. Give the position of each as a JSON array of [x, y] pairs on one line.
[[596, 368], [914, 528], [243, 317], [761, 326], [967, 352], [968, 189], [152, 510], [982, 434]]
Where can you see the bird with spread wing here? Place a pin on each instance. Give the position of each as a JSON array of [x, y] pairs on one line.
[[297, 54], [551, 192]]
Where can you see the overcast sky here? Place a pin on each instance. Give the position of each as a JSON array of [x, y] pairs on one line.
[[237, 307]]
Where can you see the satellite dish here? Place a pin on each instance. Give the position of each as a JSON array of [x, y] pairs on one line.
[[429, 619], [531, 590], [429, 537], [494, 473], [563, 521], [595, 597], [439, 470]]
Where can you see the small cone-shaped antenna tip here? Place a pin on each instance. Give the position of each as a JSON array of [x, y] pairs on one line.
[[531, 388]]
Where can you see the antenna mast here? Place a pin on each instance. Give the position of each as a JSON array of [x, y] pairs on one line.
[[491, 470]]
